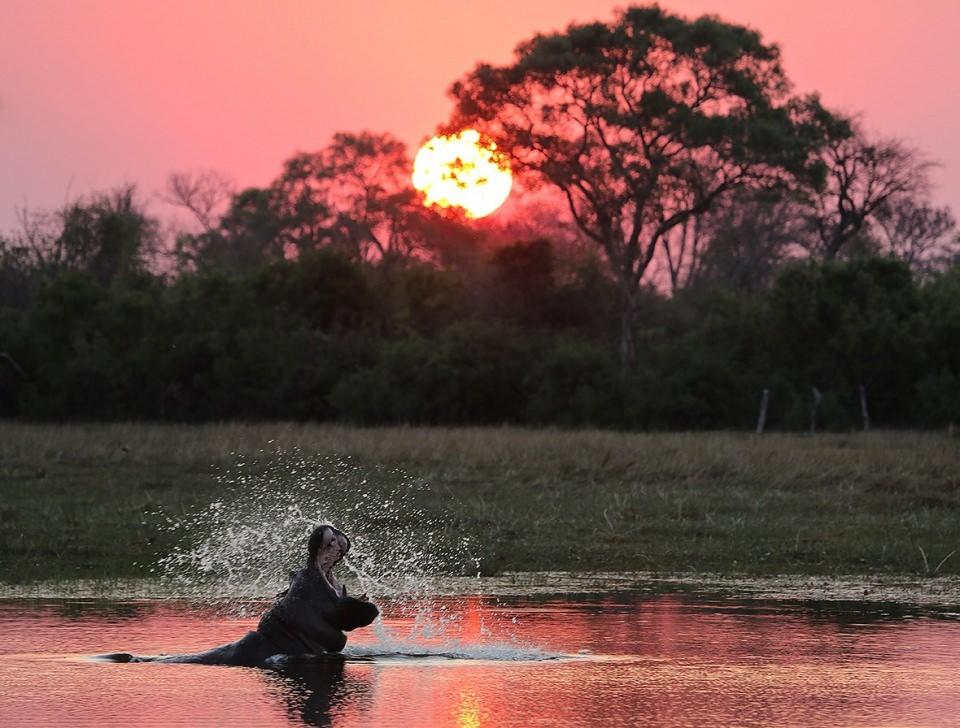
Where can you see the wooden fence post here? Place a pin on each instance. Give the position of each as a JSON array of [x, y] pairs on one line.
[[762, 418], [817, 398], [863, 408]]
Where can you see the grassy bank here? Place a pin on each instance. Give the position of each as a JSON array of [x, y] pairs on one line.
[[85, 500]]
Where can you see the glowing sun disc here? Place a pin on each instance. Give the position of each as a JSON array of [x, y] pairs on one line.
[[462, 170]]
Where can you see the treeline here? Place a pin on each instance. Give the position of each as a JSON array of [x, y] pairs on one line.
[[512, 338]]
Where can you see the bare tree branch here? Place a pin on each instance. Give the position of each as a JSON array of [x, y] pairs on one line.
[[205, 195], [863, 176]]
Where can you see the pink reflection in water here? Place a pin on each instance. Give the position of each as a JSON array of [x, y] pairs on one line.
[[653, 661]]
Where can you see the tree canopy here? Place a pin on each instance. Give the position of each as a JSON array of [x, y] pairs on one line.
[[643, 123]]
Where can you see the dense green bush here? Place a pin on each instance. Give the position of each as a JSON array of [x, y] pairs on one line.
[[326, 337], [938, 399]]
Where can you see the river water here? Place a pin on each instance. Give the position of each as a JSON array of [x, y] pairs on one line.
[[620, 659]]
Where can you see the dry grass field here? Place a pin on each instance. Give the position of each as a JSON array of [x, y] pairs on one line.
[[86, 501]]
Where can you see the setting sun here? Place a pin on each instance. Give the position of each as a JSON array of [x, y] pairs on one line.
[[462, 170]]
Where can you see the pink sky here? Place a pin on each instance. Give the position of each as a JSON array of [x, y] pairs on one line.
[[94, 93]]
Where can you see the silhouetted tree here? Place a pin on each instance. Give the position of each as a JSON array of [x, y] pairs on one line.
[[108, 235], [749, 239], [642, 123], [922, 236], [17, 279], [205, 195], [355, 194], [683, 249], [249, 234], [863, 176]]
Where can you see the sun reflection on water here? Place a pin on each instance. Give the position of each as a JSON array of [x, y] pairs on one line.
[[469, 713]]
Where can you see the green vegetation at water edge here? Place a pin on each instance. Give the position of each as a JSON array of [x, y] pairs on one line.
[[87, 501]]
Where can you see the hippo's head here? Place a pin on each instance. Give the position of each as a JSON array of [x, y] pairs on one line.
[[326, 547]]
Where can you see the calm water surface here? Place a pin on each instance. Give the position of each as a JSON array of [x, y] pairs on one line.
[[662, 660]]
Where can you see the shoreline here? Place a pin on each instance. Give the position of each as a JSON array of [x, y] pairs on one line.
[[931, 592]]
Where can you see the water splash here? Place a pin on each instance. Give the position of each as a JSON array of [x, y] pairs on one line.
[[242, 546]]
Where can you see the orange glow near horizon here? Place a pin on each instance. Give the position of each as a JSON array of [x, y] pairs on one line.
[[464, 171]]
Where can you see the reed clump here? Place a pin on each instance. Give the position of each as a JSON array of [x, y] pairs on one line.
[[89, 500]]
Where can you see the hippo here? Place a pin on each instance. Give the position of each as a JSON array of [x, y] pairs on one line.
[[306, 622]]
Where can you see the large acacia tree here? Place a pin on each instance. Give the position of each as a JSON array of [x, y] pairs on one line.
[[643, 123]]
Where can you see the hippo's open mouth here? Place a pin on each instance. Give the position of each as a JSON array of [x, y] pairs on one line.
[[331, 577], [332, 551]]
